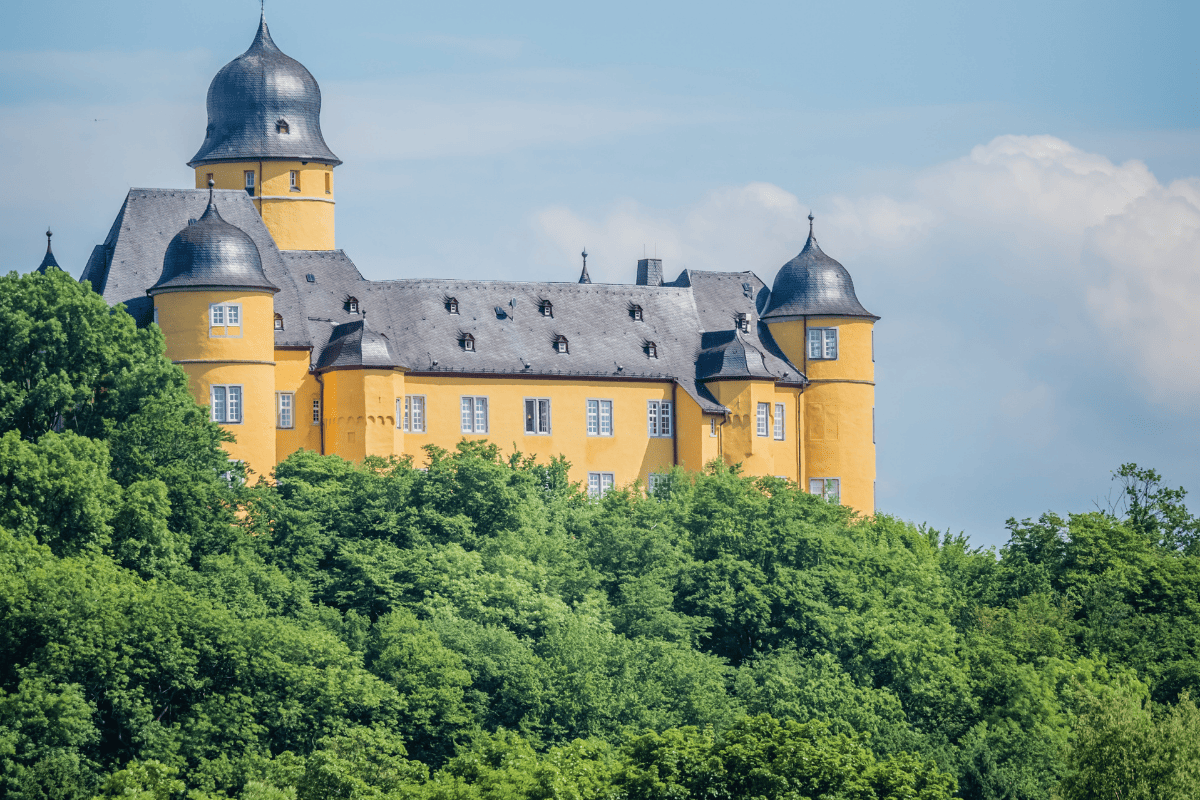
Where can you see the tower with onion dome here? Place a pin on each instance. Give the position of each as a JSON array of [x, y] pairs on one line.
[[816, 319], [264, 137]]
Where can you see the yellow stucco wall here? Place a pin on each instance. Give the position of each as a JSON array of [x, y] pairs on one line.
[[298, 220], [360, 407], [241, 356], [697, 445], [838, 406], [740, 442], [292, 375]]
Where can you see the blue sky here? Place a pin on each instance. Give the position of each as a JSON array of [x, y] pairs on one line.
[[1014, 189]]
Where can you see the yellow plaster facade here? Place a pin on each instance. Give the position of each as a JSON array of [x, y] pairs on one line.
[[295, 198]]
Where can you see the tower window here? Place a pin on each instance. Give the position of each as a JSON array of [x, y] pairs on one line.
[[282, 127], [278, 322], [226, 403], [468, 342], [250, 182], [828, 488], [452, 305], [651, 349], [823, 344], [352, 305], [546, 308], [209, 178], [560, 344], [222, 317], [328, 183], [635, 312], [294, 180]]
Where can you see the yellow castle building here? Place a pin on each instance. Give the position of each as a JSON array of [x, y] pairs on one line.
[[290, 348]]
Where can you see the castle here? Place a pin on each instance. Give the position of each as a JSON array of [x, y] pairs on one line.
[[291, 348]]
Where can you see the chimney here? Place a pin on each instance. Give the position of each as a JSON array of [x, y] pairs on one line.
[[649, 272]]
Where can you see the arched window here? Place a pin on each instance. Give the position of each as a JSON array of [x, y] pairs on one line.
[[281, 126], [278, 322], [560, 344]]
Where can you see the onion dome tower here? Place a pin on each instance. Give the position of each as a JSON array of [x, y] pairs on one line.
[[264, 136], [215, 306], [814, 315], [48, 260]]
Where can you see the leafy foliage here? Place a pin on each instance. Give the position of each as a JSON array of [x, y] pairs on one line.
[[482, 629]]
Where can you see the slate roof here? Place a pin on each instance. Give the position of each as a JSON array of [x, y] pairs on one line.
[[48, 260], [511, 336], [209, 253], [813, 284], [250, 95]]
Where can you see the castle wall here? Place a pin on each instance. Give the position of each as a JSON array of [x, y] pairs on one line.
[[299, 219]]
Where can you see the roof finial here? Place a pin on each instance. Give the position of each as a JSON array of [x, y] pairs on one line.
[[48, 260], [810, 223], [583, 276], [211, 184], [49, 233]]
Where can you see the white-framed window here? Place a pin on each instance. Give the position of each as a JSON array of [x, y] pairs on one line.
[[599, 418], [764, 410], [225, 315], [410, 413], [712, 427], [285, 409], [560, 344], [474, 415], [658, 418], [655, 481], [316, 411], [537, 416], [823, 343], [226, 402], [600, 483], [828, 488], [778, 427], [294, 180], [249, 181]]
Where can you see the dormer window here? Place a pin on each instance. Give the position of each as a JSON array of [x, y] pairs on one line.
[[560, 344], [282, 127], [310, 278], [743, 323], [451, 305], [352, 305], [546, 308], [467, 342], [651, 349], [635, 313], [278, 322]]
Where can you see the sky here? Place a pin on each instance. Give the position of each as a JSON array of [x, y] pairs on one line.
[[1015, 188]]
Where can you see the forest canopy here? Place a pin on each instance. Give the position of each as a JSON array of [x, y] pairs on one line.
[[483, 629]]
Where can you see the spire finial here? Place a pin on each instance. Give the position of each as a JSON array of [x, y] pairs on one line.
[[49, 233], [211, 184], [583, 276], [810, 223]]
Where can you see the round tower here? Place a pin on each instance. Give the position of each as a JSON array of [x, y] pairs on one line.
[[815, 317], [215, 306], [264, 137]]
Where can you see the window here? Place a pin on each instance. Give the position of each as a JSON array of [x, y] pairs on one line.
[[328, 183], [651, 350], [410, 413], [828, 488], [655, 481], [316, 418], [560, 344], [600, 483], [763, 412], [546, 308], [250, 182], [872, 346], [779, 421], [294, 180], [474, 415], [599, 418], [278, 322], [281, 126], [222, 315], [658, 414], [537, 416], [451, 305], [209, 179], [635, 312], [822, 343], [283, 409], [712, 427], [155, 316], [310, 278], [352, 305], [467, 342], [226, 404], [743, 323]]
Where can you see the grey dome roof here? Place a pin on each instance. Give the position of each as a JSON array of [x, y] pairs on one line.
[[250, 96], [813, 285], [212, 254], [353, 345]]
